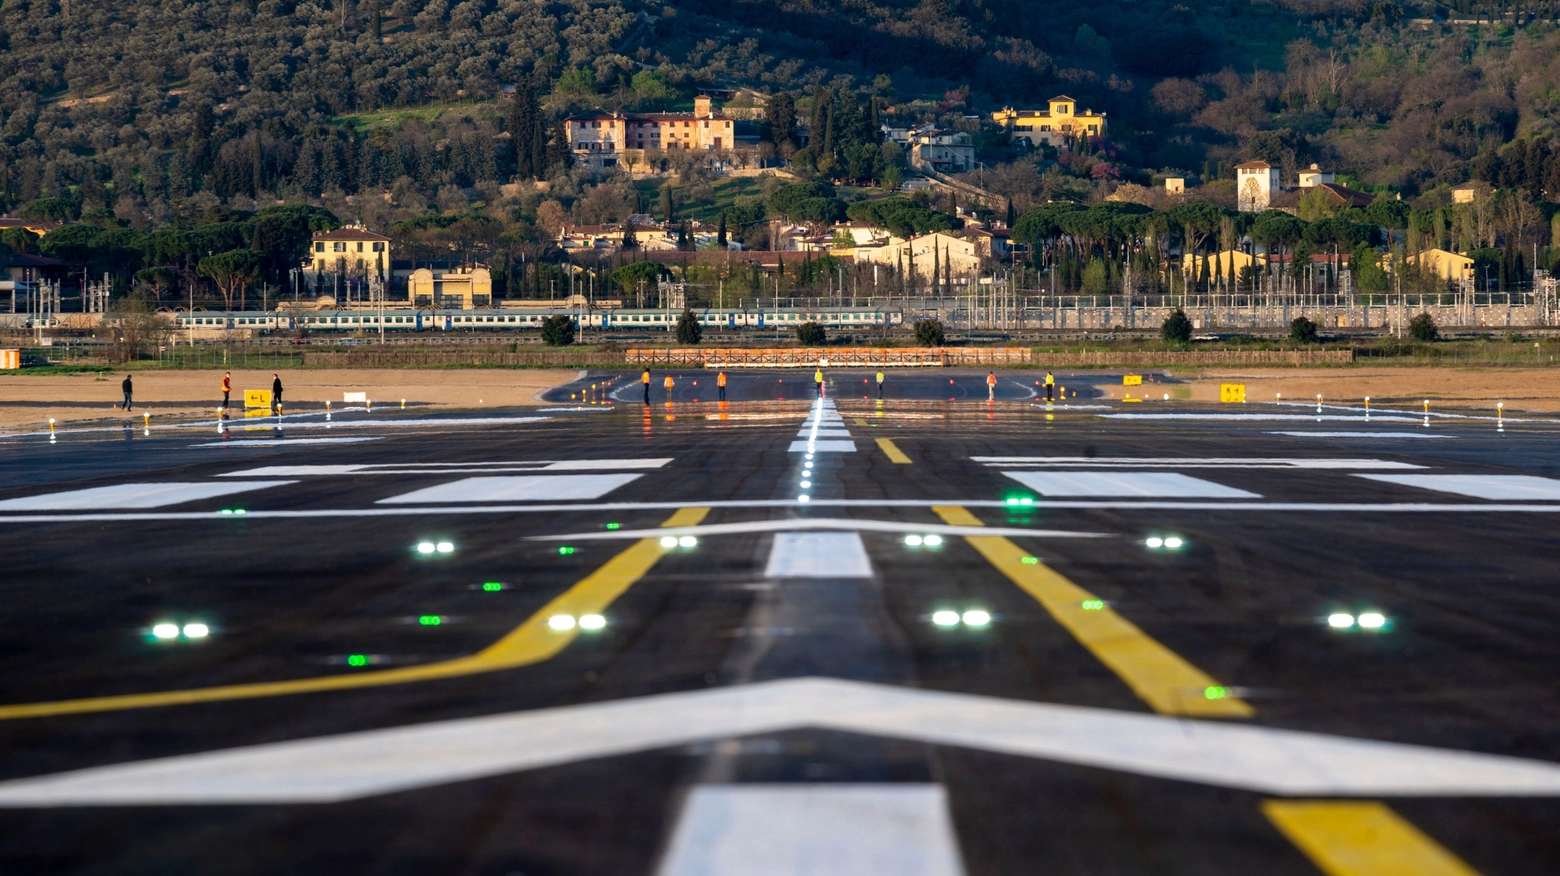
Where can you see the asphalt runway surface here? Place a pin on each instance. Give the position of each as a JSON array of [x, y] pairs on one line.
[[783, 635]]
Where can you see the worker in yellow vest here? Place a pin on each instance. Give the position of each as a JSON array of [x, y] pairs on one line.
[[991, 386], [880, 384], [669, 384], [645, 379], [1050, 385], [720, 381], [818, 379]]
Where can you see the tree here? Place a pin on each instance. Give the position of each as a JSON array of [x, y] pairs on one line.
[[811, 334], [1302, 331], [131, 326], [688, 329], [1423, 328], [558, 331], [720, 231], [1177, 329], [780, 121], [231, 271], [929, 333]]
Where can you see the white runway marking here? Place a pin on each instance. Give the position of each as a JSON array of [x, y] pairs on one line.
[[1099, 483], [447, 467], [814, 830], [1187, 462], [1315, 418], [607, 409], [134, 495], [818, 555], [293, 471], [605, 464], [355, 765], [282, 442], [1523, 487], [830, 446], [389, 422], [804, 524], [516, 489], [1360, 434], [824, 433]]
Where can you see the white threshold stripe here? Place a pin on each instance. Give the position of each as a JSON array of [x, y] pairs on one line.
[[856, 829], [134, 495], [387, 423], [1195, 462], [843, 525], [283, 442], [361, 764], [818, 555], [829, 446], [520, 488], [1125, 483], [1500, 487], [1315, 418], [449, 468], [1371, 435], [1144, 505]]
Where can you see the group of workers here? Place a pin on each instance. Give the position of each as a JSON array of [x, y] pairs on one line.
[[128, 387], [720, 383]]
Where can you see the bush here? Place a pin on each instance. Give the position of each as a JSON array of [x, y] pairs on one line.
[[558, 331], [811, 334], [1302, 331], [1423, 328], [1177, 328], [929, 333], [688, 329]]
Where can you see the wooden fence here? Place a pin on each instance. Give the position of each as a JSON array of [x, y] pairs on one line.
[[830, 357], [1170, 358], [456, 358]]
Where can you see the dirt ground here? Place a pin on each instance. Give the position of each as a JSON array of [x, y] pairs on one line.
[[1463, 389], [30, 401]]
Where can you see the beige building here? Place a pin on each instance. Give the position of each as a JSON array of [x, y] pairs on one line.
[[965, 257], [451, 290], [352, 250], [1447, 265], [603, 141], [1057, 125], [1256, 182]]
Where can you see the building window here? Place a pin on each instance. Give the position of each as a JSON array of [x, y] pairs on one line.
[[319, 246], [339, 247]]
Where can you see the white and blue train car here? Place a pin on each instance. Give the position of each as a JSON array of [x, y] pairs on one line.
[[501, 320]]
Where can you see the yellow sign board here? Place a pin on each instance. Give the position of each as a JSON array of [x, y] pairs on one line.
[[1132, 380], [257, 398], [1232, 392]]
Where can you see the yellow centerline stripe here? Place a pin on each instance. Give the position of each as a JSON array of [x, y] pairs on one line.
[[1169, 684], [1361, 838], [531, 642], [860, 422], [892, 451]]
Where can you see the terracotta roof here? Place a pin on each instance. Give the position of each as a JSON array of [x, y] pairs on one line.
[[1061, 97], [349, 234], [1253, 165]]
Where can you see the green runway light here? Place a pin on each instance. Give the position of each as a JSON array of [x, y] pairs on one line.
[[1031, 561], [1215, 692], [1093, 604], [614, 526], [1016, 501], [565, 550], [430, 620], [492, 587], [357, 660]]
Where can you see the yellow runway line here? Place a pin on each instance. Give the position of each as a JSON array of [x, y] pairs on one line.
[[860, 421], [1169, 684], [891, 451], [1361, 838], [531, 642]]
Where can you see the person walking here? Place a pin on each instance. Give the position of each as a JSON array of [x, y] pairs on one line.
[[129, 390], [720, 382], [1050, 385], [276, 394], [645, 379], [818, 379], [227, 388], [669, 384], [880, 385], [991, 386]]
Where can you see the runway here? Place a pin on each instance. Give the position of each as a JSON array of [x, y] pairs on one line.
[[784, 634]]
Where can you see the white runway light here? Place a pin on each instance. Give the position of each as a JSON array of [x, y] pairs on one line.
[[687, 541], [802, 499], [1372, 620], [932, 540], [976, 618], [1173, 543], [426, 547], [945, 618], [196, 631], [166, 631], [444, 547], [913, 540], [560, 622], [1340, 621], [592, 622], [668, 541], [806, 484], [1155, 543]]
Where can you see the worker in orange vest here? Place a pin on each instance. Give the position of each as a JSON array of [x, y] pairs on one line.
[[720, 381], [227, 387], [991, 386], [669, 384], [645, 379], [818, 379]]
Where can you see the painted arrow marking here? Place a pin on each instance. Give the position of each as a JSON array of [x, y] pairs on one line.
[[354, 765]]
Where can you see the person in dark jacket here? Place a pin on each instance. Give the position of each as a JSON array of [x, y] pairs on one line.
[[276, 394], [129, 391]]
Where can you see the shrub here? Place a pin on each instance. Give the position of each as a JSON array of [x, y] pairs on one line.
[[811, 334], [929, 333], [688, 329], [558, 331], [1302, 331], [1423, 328], [1177, 328]]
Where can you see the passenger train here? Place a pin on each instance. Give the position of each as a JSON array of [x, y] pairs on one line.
[[506, 319]]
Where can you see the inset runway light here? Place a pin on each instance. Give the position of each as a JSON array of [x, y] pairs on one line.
[[445, 547], [196, 631], [1030, 561], [802, 499], [165, 631], [592, 622], [1173, 543], [687, 541], [614, 526], [668, 541], [357, 659], [430, 620], [806, 484], [565, 551], [1340, 621], [492, 586], [1155, 542], [932, 540], [1014, 501], [977, 618], [913, 540], [945, 618], [1093, 605], [425, 547], [1215, 692], [561, 622], [1372, 620]]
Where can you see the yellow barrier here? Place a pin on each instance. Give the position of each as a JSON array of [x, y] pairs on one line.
[[1131, 380], [1232, 392], [257, 398]]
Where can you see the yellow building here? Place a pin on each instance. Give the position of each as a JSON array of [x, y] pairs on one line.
[[1227, 263], [450, 290], [601, 140], [1056, 126], [352, 250], [1446, 265]]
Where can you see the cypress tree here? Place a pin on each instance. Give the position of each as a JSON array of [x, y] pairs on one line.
[[378, 15], [258, 161], [720, 233]]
